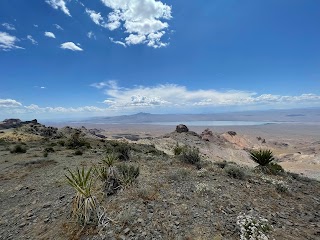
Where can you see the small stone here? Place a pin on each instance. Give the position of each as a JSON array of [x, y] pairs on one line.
[[18, 188], [47, 205], [22, 225], [177, 223], [126, 231], [46, 220], [122, 237]]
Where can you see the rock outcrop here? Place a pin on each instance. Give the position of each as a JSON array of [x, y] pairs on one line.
[[182, 128]]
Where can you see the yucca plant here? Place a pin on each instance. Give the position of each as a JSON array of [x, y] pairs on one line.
[[84, 206], [262, 156], [128, 174], [108, 174], [110, 159]]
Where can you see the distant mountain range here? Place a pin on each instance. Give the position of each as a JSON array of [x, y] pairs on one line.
[[292, 115]]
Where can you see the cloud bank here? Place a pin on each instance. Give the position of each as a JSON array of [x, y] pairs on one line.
[[169, 98], [176, 96]]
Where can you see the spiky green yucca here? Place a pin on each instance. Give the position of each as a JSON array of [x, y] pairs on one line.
[[262, 156], [84, 207], [110, 159]]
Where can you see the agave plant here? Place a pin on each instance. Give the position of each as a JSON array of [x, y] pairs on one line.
[[84, 206], [262, 156]]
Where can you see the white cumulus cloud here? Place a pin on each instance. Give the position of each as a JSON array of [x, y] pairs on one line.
[[8, 42], [70, 46], [34, 42], [49, 34], [96, 17], [9, 26], [143, 20], [9, 103], [59, 4]]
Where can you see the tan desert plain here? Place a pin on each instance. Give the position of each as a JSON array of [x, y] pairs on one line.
[[157, 181]]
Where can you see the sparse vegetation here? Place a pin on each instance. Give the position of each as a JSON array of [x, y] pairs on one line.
[[75, 142], [49, 150], [236, 172], [61, 143], [253, 228], [128, 174], [78, 152], [190, 155], [177, 150], [18, 149]]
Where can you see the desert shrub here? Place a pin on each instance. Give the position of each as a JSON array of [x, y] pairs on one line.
[[190, 155], [275, 168], [179, 175], [281, 188], [128, 174], [3, 142], [78, 152], [120, 149], [84, 205], [177, 150], [75, 141], [202, 188], [299, 177], [61, 143], [123, 151], [18, 149], [48, 149], [253, 228], [261, 156], [235, 172], [45, 154], [221, 164]]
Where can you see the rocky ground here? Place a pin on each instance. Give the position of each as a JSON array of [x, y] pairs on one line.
[[170, 200]]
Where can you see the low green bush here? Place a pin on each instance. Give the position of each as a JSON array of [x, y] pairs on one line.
[[177, 150], [190, 155], [75, 141], [78, 152], [18, 149], [128, 174], [235, 172]]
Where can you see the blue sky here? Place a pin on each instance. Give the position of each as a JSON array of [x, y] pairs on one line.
[[70, 58]]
